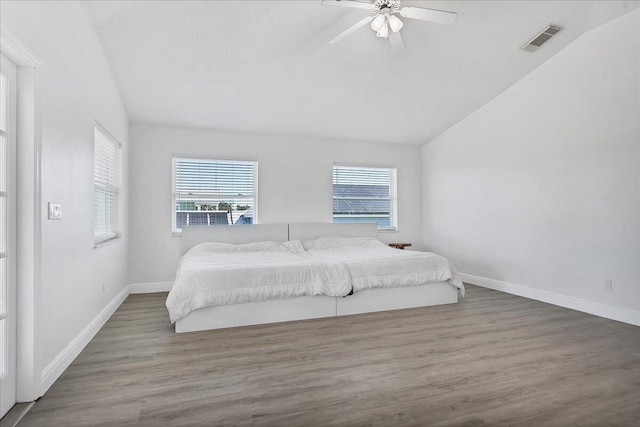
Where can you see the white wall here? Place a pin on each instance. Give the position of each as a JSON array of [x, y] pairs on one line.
[[294, 182], [541, 186], [76, 89]]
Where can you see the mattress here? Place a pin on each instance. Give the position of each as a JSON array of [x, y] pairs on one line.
[[212, 274], [373, 264]]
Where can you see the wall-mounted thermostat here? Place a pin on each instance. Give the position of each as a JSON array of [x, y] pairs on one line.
[[55, 210]]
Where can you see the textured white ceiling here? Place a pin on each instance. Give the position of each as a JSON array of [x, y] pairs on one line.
[[265, 66]]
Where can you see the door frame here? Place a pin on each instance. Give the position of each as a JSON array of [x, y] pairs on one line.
[[9, 107], [29, 218]]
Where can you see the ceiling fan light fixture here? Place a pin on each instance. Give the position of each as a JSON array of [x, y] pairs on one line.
[[377, 23], [395, 23], [384, 31]]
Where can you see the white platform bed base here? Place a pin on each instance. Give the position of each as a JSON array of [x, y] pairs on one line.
[[308, 307], [384, 299], [302, 308], [258, 313]]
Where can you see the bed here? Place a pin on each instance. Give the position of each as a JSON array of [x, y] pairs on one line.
[[281, 254], [383, 278], [193, 308]]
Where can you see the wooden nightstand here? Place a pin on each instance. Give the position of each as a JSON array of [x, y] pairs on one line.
[[399, 245]]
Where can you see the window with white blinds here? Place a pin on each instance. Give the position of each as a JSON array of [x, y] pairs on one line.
[[210, 192], [365, 194], [107, 183]]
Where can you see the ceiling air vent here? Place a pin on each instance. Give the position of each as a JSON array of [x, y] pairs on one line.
[[542, 37]]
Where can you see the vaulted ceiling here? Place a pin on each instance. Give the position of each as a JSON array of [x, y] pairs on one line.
[[265, 66]]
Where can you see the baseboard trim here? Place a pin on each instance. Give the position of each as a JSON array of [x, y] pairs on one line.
[[51, 373], [148, 288], [602, 310]]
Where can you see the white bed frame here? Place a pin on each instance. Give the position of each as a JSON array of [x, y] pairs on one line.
[[258, 313], [308, 307]]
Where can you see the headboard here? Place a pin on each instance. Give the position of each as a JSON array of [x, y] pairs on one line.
[[240, 234], [313, 230], [236, 234]]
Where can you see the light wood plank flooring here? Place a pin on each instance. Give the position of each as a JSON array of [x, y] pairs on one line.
[[492, 359]]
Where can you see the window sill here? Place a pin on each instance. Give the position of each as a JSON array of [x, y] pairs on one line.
[[387, 230], [106, 241]]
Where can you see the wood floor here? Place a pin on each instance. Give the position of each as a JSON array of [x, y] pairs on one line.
[[492, 359]]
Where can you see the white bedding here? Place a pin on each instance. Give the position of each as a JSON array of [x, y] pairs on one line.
[[372, 264], [213, 274]]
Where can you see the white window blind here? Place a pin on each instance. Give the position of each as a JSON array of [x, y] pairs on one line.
[[210, 192], [365, 194], [107, 182]]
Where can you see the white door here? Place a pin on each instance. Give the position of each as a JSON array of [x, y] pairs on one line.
[[8, 76]]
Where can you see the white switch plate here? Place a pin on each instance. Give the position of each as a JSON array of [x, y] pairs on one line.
[[55, 210]]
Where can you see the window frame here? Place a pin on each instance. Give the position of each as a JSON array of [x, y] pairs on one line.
[[393, 190], [175, 157], [115, 191]]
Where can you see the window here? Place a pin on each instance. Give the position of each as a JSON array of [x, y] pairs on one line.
[[210, 192], [106, 179], [365, 194]]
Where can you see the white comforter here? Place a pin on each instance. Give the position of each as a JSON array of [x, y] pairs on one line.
[[213, 274], [372, 264]]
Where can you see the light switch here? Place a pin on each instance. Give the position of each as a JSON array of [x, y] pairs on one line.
[[55, 210]]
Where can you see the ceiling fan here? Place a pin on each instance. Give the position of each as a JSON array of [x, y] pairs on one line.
[[384, 18]]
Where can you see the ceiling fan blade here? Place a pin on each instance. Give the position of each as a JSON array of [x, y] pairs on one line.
[[347, 3], [431, 15], [395, 39], [351, 29]]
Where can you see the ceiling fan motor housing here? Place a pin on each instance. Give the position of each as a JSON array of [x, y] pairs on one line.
[[387, 6]]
